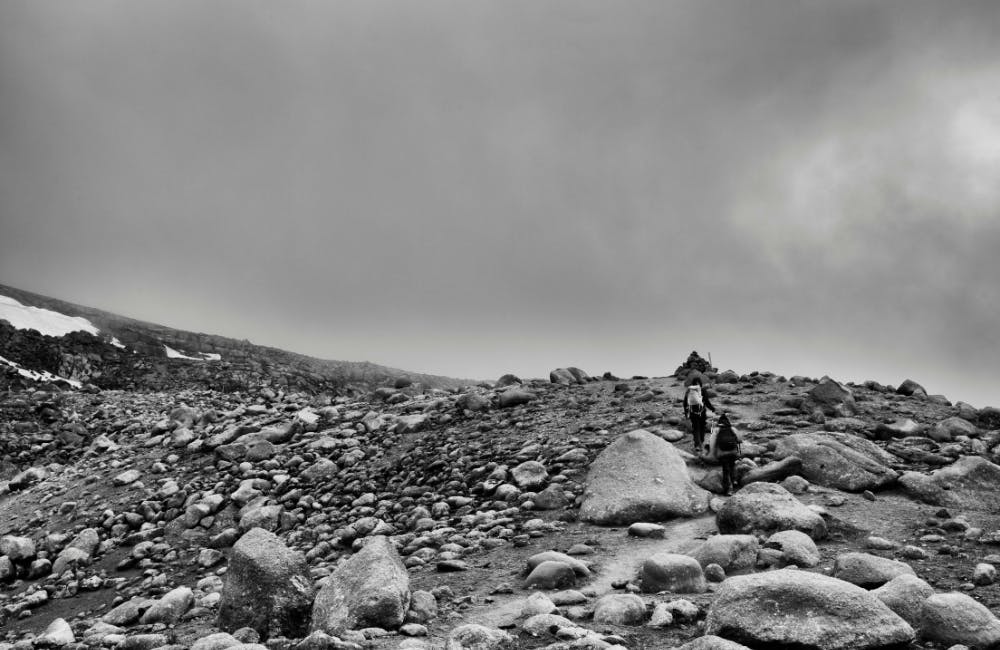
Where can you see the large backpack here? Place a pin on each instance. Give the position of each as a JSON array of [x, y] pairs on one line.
[[695, 401], [727, 443]]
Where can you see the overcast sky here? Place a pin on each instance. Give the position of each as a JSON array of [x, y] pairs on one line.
[[472, 188]]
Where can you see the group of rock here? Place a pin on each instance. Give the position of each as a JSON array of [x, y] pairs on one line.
[[291, 521]]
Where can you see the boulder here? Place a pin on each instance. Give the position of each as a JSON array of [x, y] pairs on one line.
[[479, 637], [731, 552], [579, 568], [953, 618], [774, 471], [619, 609], [910, 387], [839, 460], [796, 547], [515, 397], [712, 642], [170, 607], [551, 575], [968, 482], [833, 398], [767, 507], [905, 594], [18, 549], [530, 475], [267, 588], [57, 634], [509, 380], [950, 428], [369, 589], [672, 572], [806, 611], [900, 428], [640, 477], [867, 570], [563, 377]]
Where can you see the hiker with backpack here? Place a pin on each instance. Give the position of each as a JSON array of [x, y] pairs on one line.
[[727, 452], [695, 406]]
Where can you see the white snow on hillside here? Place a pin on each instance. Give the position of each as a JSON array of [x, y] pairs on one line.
[[174, 354], [38, 375], [118, 344], [46, 321], [204, 356]]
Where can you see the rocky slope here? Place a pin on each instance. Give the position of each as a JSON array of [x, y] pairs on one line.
[[132, 355], [414, 517]]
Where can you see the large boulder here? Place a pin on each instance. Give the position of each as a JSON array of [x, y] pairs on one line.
[[968, 482], [672, 572], [515, 397], [267, 587], [568, 376], [839, 460], [910, 387], [796, 548], [790, 608], [867, 570], [833, 398], [170, 607], [905, 594], [640, 477], [530, 475], [767, 508], [473, 636], [950, 428], [956, 618], [370, 589], [619, 609], [731, 552]]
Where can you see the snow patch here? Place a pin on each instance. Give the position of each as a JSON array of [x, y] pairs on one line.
[[38, 375], [202, 356], [46, 321], [174, 354], [118, 344]]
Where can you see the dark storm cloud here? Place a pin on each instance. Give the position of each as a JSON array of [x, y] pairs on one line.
[[471, 187]]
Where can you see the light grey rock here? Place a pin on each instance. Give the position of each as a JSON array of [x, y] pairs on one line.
[[867, 570], [672, 572], [640, 477], [731, 552], [957, 618], [905, 594], [767, 507], [807, 611], [369, 589]]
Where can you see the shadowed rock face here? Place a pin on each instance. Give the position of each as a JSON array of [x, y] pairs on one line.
[[807, 611], [640, 477]]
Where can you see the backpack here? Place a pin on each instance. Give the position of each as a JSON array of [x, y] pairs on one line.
[[727, 442], [694, 399]]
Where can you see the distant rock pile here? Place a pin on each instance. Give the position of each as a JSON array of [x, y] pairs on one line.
[[694, 364]]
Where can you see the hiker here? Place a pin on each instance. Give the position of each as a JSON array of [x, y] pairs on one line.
[[727, 452], [695, 404]]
